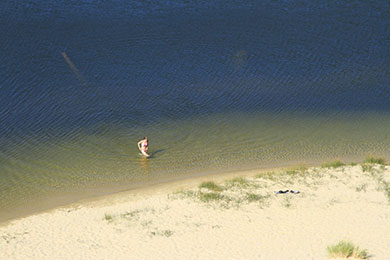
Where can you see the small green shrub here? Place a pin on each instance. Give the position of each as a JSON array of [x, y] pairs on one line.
[[346, 249]]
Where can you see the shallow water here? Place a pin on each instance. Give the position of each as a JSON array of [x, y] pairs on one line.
[[215, 86]]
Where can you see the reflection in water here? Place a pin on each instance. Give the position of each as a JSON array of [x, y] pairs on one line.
[[144, 165]]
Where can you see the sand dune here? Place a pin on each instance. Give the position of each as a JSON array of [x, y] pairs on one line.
[[237, 218]]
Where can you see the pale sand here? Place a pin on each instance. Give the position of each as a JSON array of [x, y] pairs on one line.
[[333, 205]]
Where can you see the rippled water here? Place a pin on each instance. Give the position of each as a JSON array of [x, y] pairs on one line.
[[215, 86]]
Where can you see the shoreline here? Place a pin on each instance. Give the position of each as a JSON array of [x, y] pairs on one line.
[[65, 199], [237, 215], [143, 189]]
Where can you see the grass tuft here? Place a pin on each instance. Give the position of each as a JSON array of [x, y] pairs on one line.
[[386, 188], [362, 187], [108, 217], [373, 160], [131, 214], [291, 172], [210, 186], [251, 197], [166, 233], [334, 164], [183, 194], [212, 196], [346, 249], [239, 181], [366, 167]]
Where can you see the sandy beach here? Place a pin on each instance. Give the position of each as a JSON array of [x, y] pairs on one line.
[[236, 216]]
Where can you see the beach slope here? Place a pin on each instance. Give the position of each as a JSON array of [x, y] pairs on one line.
[[246, 217]]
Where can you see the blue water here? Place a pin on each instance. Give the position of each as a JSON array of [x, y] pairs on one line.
[[242, 82]]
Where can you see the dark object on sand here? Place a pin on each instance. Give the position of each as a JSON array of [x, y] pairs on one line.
[[286, 191], [281, 191]]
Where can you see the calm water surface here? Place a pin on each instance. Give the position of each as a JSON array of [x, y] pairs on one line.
[[216, 87]]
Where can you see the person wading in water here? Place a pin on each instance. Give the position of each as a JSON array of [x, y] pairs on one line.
[[143, 146]]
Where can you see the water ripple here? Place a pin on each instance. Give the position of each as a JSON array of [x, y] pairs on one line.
[[235, 89]]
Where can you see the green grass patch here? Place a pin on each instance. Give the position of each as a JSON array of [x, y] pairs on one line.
[[208, 197], [239, 181], [346, 249], [373, 160], [386, 188], [210, 186], [383, 185], [366, 167], [108, 217], [291, 172], [252, 197], [165, 233], [334, 164]]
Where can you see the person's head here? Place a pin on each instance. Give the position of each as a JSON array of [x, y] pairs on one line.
[[145, 138]]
